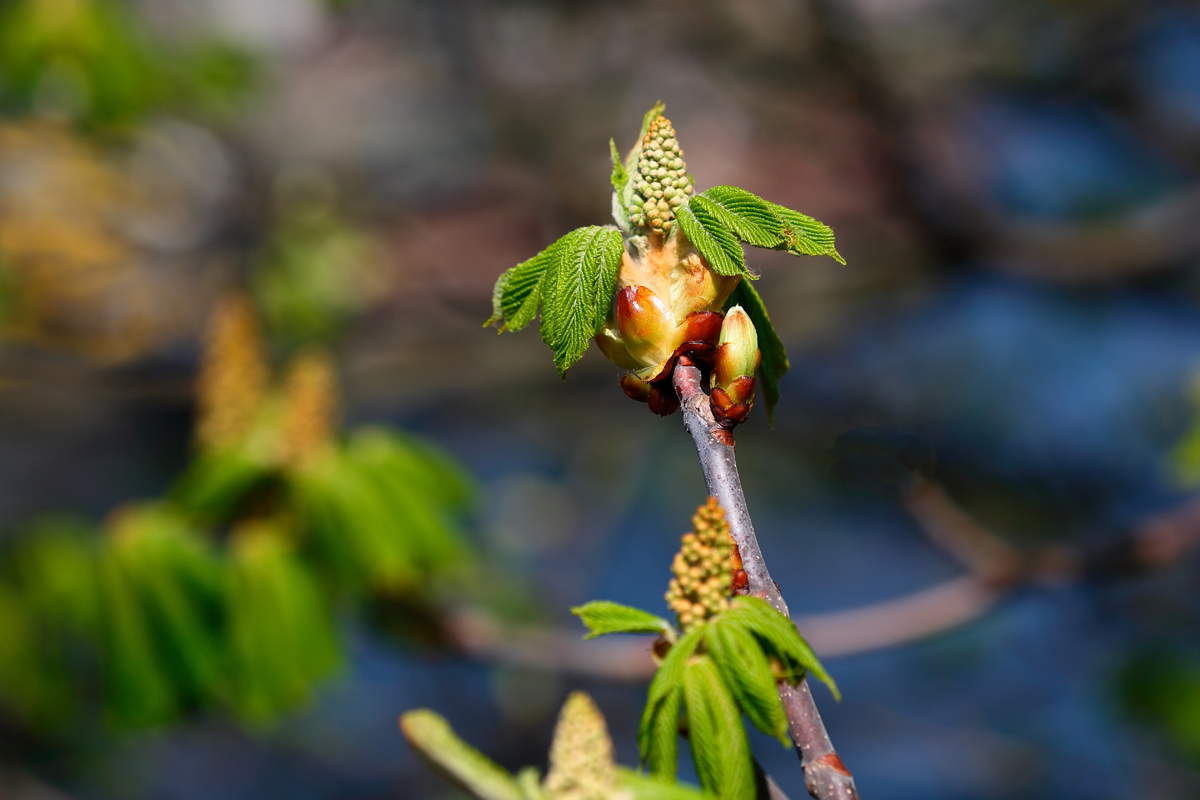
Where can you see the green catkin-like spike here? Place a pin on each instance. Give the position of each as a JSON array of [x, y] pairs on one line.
[[703, 568], [661, 182]]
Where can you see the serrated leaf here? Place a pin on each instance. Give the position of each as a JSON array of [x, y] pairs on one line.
[[620, 175], [716, 734], [518, 291], [653, 740], [762, 223], [780, 636], [662, 736], [455, 760], [754, 220], [744, 667], [774, 363], [602, 617], [701, 223], [578, 288], [803, 235]]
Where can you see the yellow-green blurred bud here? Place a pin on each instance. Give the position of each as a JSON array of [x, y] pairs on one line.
[[582, 761]]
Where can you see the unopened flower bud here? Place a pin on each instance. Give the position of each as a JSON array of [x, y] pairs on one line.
[[737, 360], [646, 324]]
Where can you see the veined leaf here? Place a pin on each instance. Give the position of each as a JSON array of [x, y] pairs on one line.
[[774, 357], [518, 292], [619, 174], [602, 616], [700, 220], [716, 733], [779, 635], [744, 667], [662, 736], [754, 220], [765, 224], [661, 714], [578, 289], [805, 236]]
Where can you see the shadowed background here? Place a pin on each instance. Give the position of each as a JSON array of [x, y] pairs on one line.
[[1014, 185]]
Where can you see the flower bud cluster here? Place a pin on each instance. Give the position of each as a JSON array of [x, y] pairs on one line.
[[703, 568], [582, 761], [311, 405], [233, 375], [661, 183]]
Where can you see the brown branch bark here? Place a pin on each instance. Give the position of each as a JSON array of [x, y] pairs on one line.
[[824, 773]]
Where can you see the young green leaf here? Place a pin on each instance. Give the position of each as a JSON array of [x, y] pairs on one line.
[[805, 236], [518, 292], [661, 740], [660, 718], [745, 669], [602, 616], [716, 733], [774, 363], [578, 289], [619, 174], [779, 636], [699, 218], [753, 219], [765, 224], [455, 760]]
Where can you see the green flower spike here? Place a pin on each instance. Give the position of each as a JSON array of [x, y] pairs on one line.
[[582, 765]]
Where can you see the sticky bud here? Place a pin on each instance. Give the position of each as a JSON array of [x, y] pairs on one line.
[[737, 360], [646, 324]]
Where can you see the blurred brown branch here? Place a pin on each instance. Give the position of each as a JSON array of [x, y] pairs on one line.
[[995, 567]]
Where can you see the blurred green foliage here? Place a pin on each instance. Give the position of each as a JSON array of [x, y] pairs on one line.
[[226, 593], [1161, 686], [316, 270], [90, 61]]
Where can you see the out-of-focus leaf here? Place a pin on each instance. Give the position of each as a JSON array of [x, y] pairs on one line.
[[354, 523], [138, 687], [422, 488], [431, 737], [646, 787], [279, 625], [215, 482], [177, 581]]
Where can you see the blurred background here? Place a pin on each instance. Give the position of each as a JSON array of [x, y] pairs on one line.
[[246, 247]]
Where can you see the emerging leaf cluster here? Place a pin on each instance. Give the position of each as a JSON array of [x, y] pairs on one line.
[[224, 593], [572, 281], [712, 675]]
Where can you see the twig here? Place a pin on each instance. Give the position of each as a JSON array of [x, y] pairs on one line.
[[824, 774]]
